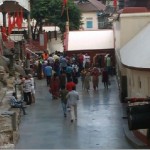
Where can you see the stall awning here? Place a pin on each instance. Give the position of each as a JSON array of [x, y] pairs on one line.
[[16, 37], [90, 40]]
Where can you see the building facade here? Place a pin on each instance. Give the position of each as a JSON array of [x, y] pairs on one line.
[[132, 55], [93, 17]]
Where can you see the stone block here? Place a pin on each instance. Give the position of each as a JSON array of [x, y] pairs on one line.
[[17, 119], [6, 138], [5, 123], [9, 133], [10, 83], [7, 146], [15, 137]]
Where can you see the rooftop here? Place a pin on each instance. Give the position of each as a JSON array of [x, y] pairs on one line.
[[92, 5], [90, 40]]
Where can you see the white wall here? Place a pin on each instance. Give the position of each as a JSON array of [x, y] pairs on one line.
[[138, 86], [131, 24], [54, 45], [137, 78], [92, 15], [94, 40]]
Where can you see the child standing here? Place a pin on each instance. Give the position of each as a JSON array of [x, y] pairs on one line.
[[63, 94]]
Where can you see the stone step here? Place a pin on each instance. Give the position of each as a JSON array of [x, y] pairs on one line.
[[2, 94]]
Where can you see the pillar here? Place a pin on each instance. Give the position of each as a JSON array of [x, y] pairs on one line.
[[4, 19], [29, 26]]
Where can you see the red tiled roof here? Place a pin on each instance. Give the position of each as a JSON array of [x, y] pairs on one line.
[[98, 4], [92, 5], [134, 10]]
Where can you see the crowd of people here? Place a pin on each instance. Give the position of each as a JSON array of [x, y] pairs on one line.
[[61, 74]]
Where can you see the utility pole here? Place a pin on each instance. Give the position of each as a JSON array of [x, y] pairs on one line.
[[29, 20]]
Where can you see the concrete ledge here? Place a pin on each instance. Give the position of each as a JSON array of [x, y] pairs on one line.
[[133, 140], [10, 119]]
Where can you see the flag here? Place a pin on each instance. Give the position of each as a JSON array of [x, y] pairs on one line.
[[63, 6], [115, 3], [14, 21], [64, 2], [4, 34], [19, 19], [63, 9], [10, 26]]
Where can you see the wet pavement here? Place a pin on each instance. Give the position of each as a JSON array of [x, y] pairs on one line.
[[99, 124]]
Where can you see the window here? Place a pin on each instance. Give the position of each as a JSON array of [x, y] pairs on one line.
[[89, 24]]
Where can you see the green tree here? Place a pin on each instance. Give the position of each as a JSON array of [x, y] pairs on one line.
[[49, 12]]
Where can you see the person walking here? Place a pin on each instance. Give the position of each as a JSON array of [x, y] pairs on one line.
[[75, 76], [39, 70], [63, 94], [48, 73], [95, 78], [32, 88], [87, 81], [63, 79], [70, 84], [108, 64], [69, 70], [73, 98], [105, 78], [55, 86], [83, 74]]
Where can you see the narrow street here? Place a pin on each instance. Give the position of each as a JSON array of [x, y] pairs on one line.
[[99, 123]]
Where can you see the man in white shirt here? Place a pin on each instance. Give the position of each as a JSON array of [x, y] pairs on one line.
[[27, 88], [32, 87], [73, 98], [86, 60]]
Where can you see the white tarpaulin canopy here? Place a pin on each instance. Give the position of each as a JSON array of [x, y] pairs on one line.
[[50, 28], [136, 53], [90, 40], [16, 37]]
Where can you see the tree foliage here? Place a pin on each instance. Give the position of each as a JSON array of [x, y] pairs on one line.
[[49, 12]]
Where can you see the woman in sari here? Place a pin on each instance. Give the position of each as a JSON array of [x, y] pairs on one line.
[[39, 70], [55, 86], [83, 74], [87, 81], [95, 77]]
